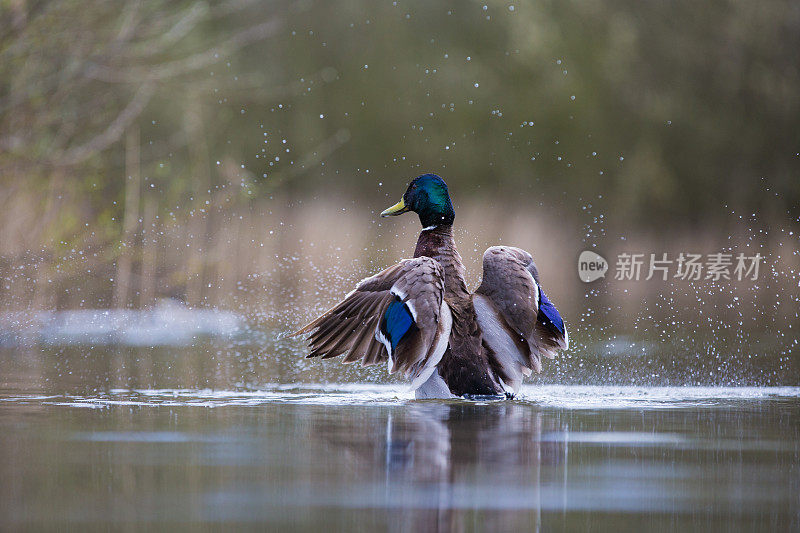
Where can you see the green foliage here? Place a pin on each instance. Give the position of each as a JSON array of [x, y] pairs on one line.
[[663, 115], [678, 109]]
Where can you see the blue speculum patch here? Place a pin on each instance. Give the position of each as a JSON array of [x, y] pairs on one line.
[[548, 314], [396, 322]]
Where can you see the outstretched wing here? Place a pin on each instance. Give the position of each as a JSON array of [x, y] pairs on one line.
[[519, 323], [398, 315]]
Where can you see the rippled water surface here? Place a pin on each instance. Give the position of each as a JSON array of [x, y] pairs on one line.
[[355, 457]]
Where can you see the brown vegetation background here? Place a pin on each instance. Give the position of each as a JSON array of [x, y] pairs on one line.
[[236, 154]]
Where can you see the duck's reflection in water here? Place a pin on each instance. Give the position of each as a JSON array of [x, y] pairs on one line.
[[450, 467]]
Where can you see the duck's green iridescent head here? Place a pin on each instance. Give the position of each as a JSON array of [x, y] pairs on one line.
[[427, 196]]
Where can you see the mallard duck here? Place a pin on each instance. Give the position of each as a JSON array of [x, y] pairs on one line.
[[419, 317]]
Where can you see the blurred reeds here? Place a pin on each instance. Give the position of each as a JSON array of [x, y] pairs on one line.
[[237, 155], [270, 256]]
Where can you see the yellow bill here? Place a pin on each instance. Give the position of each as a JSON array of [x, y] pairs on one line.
[[397, 209]]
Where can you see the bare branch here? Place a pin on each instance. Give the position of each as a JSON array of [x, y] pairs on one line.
[[188, 20], [323, 150], [114, 131], [129, 21], [175, 68]]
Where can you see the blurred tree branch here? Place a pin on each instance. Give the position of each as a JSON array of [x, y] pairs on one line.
[[39, 66], [658, 115], [171, 69], [114, 131]]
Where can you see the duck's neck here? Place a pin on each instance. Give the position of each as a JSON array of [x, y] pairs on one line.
[[437, 243]]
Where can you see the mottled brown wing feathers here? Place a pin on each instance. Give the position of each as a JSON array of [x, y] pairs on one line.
[[507, 306], [353, 326], [510, 286]]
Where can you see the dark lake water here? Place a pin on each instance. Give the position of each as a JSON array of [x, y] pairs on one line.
[[368, 457]]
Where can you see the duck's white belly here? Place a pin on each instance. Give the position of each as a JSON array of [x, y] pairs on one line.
[[434, 389]]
